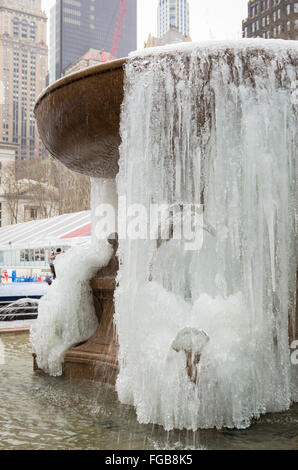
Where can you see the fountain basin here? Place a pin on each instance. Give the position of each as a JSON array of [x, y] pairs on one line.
[[78, 116], [78, 119]]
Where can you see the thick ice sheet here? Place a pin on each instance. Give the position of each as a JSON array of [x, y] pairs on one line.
[[276, 46], [210, 124]]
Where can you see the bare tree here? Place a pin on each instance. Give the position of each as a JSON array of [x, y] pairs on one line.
[[46, 186], [11, 191], [74, 190], [37, 179], [54, 186]]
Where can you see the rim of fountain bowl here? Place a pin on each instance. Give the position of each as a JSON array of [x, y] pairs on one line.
[[80, 75]]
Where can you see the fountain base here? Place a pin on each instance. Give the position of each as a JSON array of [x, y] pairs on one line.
[[97, 359]]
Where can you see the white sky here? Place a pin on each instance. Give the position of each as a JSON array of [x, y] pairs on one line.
[[209, 19]]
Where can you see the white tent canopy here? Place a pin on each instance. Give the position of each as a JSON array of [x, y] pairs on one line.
[[63, 230]]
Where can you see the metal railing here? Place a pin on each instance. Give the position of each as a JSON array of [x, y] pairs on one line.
[[23, 309]]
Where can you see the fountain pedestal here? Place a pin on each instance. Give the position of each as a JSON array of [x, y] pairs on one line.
[[97, 358]]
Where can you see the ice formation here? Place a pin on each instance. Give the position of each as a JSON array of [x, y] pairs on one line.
[[66, 314], [212, 124], [190, 340]]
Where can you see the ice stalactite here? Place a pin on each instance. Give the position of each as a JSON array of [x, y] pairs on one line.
[[210, 124]]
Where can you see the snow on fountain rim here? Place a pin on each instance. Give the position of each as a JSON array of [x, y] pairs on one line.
[[273, 45]]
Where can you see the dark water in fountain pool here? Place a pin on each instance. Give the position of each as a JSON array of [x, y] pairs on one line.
[[51, 413]]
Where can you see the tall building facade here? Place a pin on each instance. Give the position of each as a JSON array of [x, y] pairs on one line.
[[23, 57], [271, 19], [52, 42], [171, 37], [79, 25], [7, 172], [92, 57], [173, 15]]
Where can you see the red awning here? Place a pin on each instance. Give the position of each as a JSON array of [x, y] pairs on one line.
[[84, 231]]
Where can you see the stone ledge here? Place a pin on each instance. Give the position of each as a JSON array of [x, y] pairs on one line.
[[89, 366], [15, 331]]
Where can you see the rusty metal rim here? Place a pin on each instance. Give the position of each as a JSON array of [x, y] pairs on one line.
[[81, 75]]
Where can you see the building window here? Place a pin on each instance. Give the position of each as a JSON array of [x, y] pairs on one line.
[[24, 28], [15, 22], [71, 21], [74, 3], [72, 12], [32, 31], [288, 9]]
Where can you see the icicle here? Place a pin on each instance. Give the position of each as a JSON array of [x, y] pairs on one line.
[[209, 124]]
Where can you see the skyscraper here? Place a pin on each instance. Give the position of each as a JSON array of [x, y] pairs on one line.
[[23, 71], [52, 43], [173, 15], [80, 25], [271, 19], [172, 23]]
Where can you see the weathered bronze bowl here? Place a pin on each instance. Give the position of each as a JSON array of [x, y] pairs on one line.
[[78, 119], [78, 116]]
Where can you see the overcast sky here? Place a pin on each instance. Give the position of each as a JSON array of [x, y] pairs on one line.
[[210, 19]]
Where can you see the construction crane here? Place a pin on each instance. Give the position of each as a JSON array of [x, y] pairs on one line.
[[118, 31]]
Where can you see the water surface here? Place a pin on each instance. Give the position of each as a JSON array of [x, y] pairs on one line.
[[52, 413]]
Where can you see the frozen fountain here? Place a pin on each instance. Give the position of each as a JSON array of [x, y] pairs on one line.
[[204, 333]]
